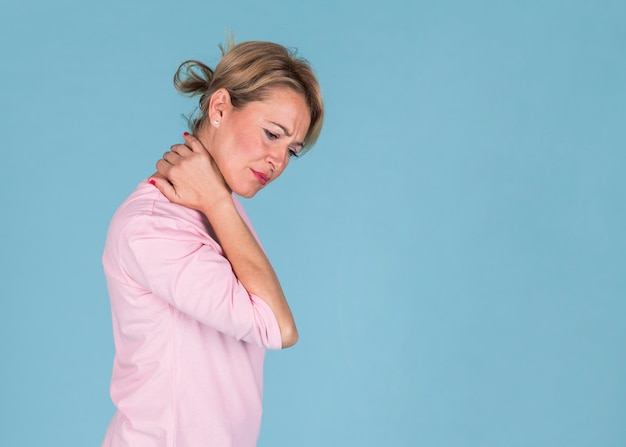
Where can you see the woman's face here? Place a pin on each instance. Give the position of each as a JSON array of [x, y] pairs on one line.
[[252, 146]]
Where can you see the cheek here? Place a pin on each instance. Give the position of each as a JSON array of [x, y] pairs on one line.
[[243, 145], [243, 154]]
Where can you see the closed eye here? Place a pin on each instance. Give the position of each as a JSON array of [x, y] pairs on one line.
[[270, 135]]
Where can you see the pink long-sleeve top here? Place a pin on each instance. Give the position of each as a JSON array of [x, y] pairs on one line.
[[190, 340]]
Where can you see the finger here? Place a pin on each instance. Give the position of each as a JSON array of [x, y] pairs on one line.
[[180, 149], [193, 143], [172, 157], [164, 186], [163, 167]]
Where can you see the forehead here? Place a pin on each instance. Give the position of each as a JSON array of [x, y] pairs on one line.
[[283, 96], [283, 106]]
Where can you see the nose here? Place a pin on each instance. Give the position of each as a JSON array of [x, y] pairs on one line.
[[276, 158]]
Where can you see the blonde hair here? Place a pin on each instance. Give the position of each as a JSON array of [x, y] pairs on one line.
[[248, 71]]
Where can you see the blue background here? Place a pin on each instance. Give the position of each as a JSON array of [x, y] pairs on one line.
[[453, 248]]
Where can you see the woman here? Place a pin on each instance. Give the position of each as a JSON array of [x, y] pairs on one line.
[[195, 301]]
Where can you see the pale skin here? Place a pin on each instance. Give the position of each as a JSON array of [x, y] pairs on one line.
[[241, 151]]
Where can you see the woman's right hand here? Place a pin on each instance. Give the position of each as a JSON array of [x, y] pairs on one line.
[[187, 175]]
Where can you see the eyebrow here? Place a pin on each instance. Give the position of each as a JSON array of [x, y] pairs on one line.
[[288, 134]]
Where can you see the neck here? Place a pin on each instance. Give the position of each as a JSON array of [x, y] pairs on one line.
[[205, 136]]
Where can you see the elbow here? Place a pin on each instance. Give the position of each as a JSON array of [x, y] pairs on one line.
[[289, 336]]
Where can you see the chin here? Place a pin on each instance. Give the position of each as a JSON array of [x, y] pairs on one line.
[[246, 194]]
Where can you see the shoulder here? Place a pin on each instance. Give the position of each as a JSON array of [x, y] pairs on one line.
[[147, 225], [147, 214], [146, 203]]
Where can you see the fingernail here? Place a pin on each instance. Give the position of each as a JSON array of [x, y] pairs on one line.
[[185, 133], [152, 182]]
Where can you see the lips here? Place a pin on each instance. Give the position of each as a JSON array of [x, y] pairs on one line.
[[261, 178]]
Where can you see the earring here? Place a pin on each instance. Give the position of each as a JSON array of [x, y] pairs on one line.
[[216, 122]]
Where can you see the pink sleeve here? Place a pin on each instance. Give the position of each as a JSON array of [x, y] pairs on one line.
[[181, 267]]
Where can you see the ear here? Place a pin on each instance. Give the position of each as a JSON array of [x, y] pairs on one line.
[[219, 105]]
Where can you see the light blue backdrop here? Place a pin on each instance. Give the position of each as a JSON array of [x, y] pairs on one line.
[[453, 248]]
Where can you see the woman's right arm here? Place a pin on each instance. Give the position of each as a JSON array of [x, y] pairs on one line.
[[188, 176]]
